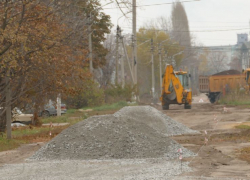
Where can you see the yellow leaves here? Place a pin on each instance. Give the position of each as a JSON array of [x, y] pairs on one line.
[[13, 64]]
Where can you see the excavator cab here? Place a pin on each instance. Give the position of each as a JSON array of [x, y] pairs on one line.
[[184, 80]]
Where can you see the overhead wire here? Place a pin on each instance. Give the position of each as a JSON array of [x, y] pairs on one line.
[[148, 5], [218, 30]]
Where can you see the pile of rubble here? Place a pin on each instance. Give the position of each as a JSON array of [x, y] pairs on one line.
[[133, 132], [155, 119]]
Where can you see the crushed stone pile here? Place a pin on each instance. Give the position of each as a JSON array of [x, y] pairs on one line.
[[155, 119], [115, 137]]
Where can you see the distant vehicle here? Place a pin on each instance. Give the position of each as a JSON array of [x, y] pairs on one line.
[[215, 85], [19, 117], [51, 110], [247, 78]]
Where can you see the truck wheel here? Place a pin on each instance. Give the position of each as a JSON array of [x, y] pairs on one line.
[[187, 106], [165, 107]]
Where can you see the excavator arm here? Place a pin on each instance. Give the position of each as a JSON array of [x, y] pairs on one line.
[[169, 77]]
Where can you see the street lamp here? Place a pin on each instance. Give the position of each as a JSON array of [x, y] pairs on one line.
[[161, 61], [144, 42], [173, 61]]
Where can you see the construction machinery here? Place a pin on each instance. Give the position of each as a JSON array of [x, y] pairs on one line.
[[247, 77], [176, 88], [221, 83]]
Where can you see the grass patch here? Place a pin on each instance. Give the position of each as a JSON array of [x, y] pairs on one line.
[[242, 126], [26, 131], [245, 154], [55, 119], [6, 144], [234, 103], [71, 111], [26, 135], [235, 99], [30, 134], [72, 116], [242, 136]]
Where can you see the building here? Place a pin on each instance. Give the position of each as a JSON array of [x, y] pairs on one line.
[[242, 38], [228, 53]]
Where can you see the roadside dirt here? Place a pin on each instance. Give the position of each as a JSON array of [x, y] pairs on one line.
[[221, 156], [20, 154]]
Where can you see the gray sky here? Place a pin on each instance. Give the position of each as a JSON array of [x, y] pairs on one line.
[[205, 15]]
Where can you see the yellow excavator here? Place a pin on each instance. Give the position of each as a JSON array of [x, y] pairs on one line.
[[176, 88]]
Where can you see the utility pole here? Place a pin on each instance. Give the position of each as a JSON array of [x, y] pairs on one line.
[[132, 59], [153, 73], [8, 105], [116, 55], [160, 62], [122, 59], [122, 71], [58, 108], [126, 55], [135, 42], [90, 44]]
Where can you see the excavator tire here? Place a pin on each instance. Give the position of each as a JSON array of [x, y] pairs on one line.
[[165, 107], [187, 106]]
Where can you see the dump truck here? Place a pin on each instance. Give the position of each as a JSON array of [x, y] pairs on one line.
[[176, 88], [221, 83], [247, 77]]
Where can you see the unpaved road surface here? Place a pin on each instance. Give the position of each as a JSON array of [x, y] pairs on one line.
[[218, 159]]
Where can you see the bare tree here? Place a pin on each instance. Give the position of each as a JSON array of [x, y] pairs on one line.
[[235, 64], [217, 61]]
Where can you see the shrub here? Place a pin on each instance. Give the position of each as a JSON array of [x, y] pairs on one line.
[[89, 96], [117, 93]]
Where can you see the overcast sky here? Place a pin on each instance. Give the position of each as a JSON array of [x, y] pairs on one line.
[[205, 15]]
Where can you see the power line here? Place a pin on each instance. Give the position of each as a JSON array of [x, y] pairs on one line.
[[147, 5], [166, 3], [218, 30]]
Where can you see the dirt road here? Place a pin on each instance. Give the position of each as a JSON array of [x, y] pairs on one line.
[[219, 159]]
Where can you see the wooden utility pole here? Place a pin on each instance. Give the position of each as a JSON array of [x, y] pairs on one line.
[[118, 31], [122, 71], [8, 105], [153, 68], [160, 62], [90, 44], [135, 42], [126, 55]]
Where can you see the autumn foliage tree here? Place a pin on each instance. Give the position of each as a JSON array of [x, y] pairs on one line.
[[169, 48], [41, 53]]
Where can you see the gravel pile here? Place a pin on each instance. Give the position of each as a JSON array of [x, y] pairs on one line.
[[117, 137], [155, 119], [143, 133]]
